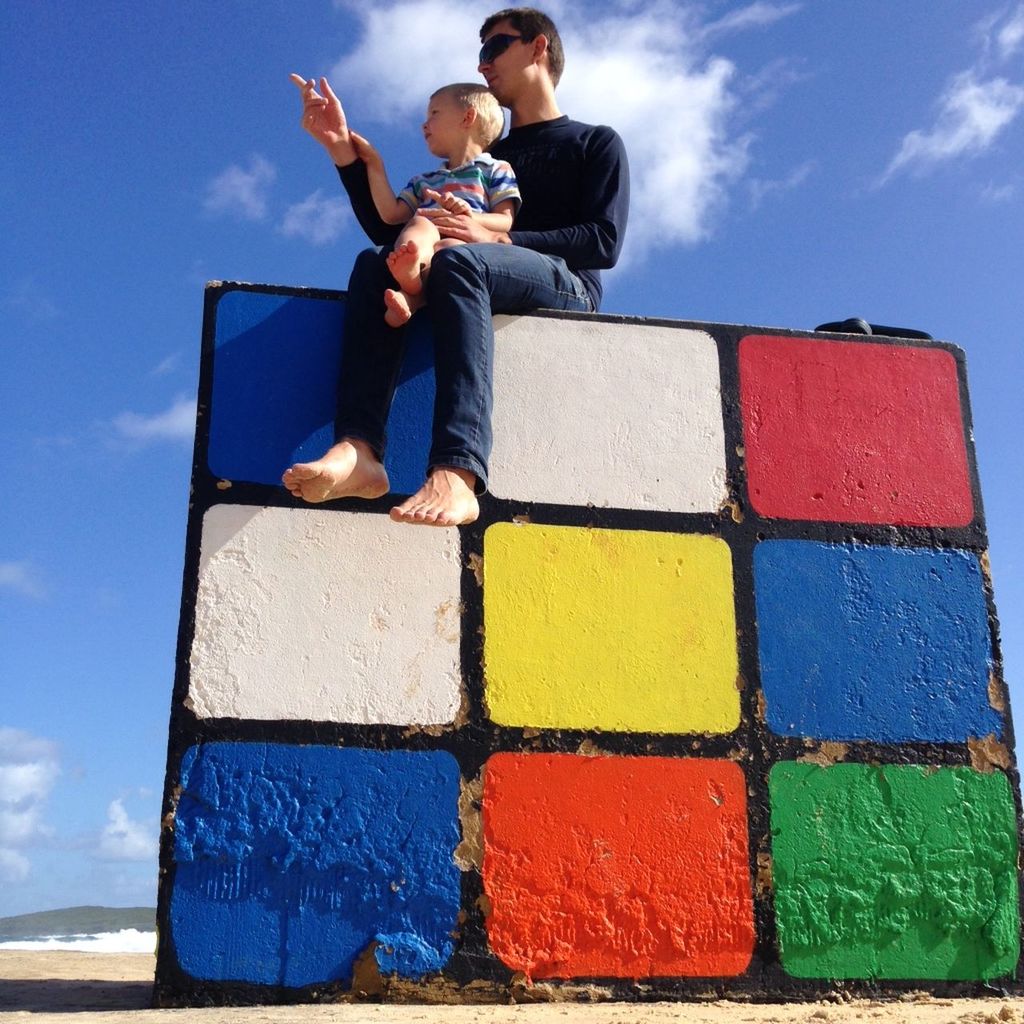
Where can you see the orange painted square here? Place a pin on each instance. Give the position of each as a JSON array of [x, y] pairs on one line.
[[623, 867]]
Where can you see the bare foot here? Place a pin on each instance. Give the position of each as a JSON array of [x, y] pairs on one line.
[[401, 306], [350, 469], [406, 266], [446, 499]]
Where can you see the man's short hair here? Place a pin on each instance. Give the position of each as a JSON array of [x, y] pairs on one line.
[[490, 121], [530, 23]]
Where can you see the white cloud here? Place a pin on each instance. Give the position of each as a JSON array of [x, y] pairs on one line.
[[176, 423], [14, 866], [644, 70], [398, 63], [31, 301], [976, 106], [242, 192], [992, 193], [22, 578], [761, 90], [761, 189], [1001, 33], [681, 165], [1010, 37], [318, 219], [755, 15], [165, 366], [126, 839], [29, 766], [971, 116]]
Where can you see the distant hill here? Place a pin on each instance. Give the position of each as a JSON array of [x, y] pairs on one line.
[[76, 921]]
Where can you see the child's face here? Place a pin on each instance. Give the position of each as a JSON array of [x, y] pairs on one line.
[[445, 129]]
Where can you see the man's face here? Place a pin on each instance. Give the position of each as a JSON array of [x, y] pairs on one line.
[[505, 72]]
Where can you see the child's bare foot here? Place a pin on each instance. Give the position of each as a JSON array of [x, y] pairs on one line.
[[446, 499], [349, 469], [401, 306], [406, 266]]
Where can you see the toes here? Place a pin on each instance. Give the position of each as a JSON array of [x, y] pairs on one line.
[[430, 510], [410, 511], [425, 513], [401, 511]]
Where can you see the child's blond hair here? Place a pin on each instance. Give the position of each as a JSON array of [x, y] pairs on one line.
[[489, 119]]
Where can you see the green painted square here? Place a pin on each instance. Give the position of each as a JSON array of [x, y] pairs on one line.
[[894, 871]]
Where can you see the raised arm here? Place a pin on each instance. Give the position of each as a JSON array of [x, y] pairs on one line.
[[324, 119], [391, 209]]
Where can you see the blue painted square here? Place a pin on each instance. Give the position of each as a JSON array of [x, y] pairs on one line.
[[275, 375], [873, 643], [290, 861]]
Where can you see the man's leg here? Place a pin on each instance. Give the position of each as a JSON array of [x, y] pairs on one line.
[[466, 284], [371, 357]]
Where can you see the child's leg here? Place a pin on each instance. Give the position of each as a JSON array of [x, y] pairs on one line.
[[411, 254], [401, 304]]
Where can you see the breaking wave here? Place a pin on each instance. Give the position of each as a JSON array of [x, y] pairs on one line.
[[127, 940]]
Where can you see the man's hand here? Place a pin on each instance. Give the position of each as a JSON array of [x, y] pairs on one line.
[[455, 218], [324, 119], [463, 227]]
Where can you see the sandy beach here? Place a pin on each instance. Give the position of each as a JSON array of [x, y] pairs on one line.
[[111, 988]]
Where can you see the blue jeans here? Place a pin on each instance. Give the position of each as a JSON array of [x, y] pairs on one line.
[[466, 285]]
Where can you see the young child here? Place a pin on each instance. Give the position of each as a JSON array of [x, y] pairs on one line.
[[462, 121]]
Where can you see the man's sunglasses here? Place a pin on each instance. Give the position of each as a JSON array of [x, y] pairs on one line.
[[496, 46]]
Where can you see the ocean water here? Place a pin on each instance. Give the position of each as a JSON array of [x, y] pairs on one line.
[[127, 940]]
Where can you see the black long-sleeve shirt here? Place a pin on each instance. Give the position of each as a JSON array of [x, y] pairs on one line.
[[574, 180]]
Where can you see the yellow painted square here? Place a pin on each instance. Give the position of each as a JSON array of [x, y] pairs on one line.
[[619, 630]]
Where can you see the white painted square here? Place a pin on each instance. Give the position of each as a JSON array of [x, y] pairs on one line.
[[608, 414], [325, 616]]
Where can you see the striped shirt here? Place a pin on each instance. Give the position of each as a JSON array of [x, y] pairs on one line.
[[483, 182]]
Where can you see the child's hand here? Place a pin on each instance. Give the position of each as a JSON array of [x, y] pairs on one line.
[[447, 202], [366, 151]]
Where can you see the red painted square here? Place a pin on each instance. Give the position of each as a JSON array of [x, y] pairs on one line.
[[623, 867], [853, 432]]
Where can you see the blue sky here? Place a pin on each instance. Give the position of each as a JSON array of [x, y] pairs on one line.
[[793, 163]]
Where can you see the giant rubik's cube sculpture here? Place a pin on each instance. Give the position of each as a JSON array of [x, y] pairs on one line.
[[708, 701]]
